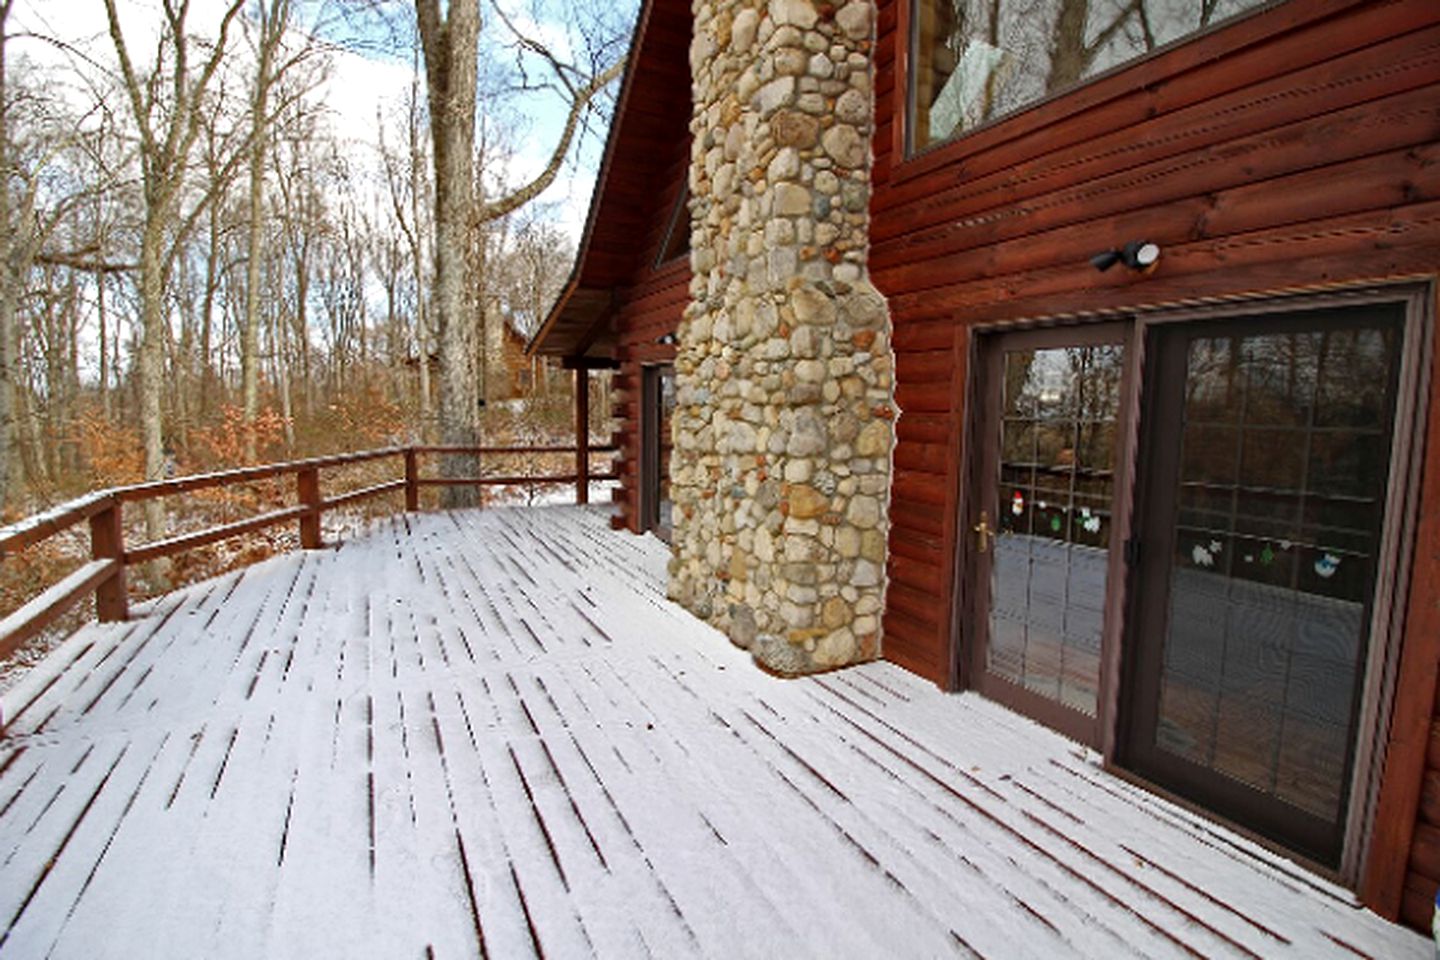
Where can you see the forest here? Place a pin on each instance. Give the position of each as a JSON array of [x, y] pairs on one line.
[[207, 260]]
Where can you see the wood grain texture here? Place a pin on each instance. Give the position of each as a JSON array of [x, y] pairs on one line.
[[1401, 837], [495, 720], [1225, 150], [1297, 149]]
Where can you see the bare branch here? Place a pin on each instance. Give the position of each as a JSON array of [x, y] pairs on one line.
[[127, 73], [539, 49], [1111, 29], [495, 209], [84, 261]]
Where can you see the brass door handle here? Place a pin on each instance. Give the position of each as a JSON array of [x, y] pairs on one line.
[[984, 534]]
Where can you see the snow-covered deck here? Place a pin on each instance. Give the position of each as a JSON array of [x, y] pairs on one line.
[[488, 734]]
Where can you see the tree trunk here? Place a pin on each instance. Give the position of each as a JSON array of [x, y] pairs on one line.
[[417, 259], [151, 367], [1068, 54], [274, 18], [8, 294], [282, 378], [72, 378], [302, 328], [165, 151], [207, 312], [9, 287], [450, 46], [105, 405]]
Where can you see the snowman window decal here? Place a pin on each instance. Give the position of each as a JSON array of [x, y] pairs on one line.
[[1204, 555]]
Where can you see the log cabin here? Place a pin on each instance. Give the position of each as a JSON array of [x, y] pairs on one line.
[[1078, 354]]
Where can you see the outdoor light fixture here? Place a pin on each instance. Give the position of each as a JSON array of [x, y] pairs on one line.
[[1138, 255], [667, 339]]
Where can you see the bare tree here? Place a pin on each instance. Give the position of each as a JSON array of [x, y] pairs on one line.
[[450, 44], [30, 216], [1070, 54], [125, 231], [168, 127], [532, 273], [302, 215], [9, 288], [219, 253], [409, 203], [271, 65]]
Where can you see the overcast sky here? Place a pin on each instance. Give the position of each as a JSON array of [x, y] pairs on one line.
[[366, 76]]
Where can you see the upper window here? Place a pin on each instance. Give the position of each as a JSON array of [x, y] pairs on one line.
[[976, 60], [677, 232]]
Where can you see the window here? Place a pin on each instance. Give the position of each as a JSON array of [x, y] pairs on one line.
[[677, 232], [975, 60]]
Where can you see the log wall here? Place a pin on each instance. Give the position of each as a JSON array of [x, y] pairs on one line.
[[1294, 149], [647, 308]]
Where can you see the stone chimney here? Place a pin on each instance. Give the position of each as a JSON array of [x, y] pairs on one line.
[[780, 471]]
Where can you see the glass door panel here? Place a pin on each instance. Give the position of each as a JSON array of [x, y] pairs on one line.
[[1266, 461], [666, 401], [658, 407], [1042, 529]]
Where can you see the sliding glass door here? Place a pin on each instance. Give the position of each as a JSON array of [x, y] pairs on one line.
[[1265, 464], [1222, 602]]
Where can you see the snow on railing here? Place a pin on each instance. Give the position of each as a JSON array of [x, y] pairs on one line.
[[104, 575]]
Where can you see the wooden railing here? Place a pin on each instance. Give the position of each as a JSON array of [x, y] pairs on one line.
[[104, 574]]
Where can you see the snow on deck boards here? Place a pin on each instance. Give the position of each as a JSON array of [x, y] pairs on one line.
[[488, 734]]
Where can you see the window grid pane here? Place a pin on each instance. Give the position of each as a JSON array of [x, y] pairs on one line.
[[1282, 478], [1056, 466]]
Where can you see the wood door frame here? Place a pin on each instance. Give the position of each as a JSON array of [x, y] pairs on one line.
[[968, 664], [651, 446], [1394, 562], [1372, 783], [1165, 403]]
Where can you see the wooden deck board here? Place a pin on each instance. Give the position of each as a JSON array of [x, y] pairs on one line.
[[490, 735]]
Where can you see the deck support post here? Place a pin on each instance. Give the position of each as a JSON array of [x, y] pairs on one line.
[[582, 436], [107, 542], [412, 481], [307, 483]]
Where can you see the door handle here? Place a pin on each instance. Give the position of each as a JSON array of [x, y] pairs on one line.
[[984, 534]]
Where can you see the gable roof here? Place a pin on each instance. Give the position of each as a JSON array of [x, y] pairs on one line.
[[653, 109]]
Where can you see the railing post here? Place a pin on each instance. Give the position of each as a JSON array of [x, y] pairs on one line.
[[307, 483], [107, 542], [582, 435], [412, 481]]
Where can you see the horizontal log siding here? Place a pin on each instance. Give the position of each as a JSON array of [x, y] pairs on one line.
[[649, 307], [1297, 148], [1422, 873]]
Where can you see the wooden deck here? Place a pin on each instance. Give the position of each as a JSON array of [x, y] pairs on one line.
[[488, 734]]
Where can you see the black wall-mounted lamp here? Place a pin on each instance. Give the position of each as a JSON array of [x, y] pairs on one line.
[[1138, 255], [667, 339]]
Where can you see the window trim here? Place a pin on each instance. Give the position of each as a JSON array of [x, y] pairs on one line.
[[682, 203]]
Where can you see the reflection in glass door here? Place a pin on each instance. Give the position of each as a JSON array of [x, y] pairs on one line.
[[658, 397], [1041, 529], [1264, 469]]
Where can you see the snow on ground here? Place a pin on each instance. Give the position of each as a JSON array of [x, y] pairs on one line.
[[487, 733]]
